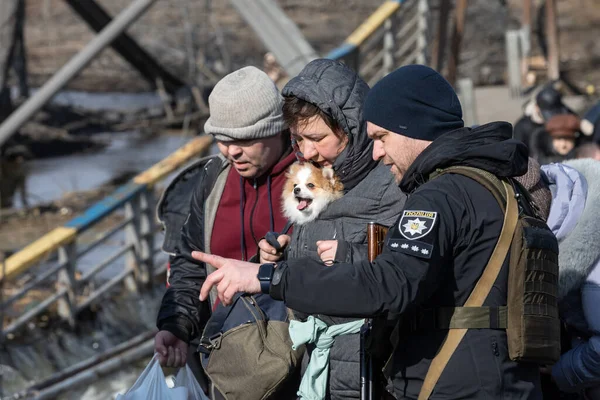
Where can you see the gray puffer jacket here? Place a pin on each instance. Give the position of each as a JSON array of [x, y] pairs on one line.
[[371, 194]]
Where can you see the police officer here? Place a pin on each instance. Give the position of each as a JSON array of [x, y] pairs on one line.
[[435, 253]]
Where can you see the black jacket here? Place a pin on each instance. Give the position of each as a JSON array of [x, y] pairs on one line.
[[433, 257], [181, 311]]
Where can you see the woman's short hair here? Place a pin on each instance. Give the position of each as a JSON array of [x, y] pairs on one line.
[[297, 112]]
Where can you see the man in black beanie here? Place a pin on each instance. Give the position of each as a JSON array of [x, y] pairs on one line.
[[434, 255]]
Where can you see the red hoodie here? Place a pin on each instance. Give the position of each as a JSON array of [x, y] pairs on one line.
[[258, 212]]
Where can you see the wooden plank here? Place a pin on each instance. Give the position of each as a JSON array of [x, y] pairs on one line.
[[457, 35], [438, 49], [526, 15], [552, 41]]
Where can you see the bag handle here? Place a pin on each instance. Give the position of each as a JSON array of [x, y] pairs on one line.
[[215, 323], [479, 294]]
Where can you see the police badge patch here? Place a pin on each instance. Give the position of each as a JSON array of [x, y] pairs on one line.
[[416, 224]]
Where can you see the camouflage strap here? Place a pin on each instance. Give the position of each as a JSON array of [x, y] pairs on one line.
[[479, 294]]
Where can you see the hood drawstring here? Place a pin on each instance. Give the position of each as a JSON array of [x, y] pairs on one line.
[[270, 204], [243, 205]]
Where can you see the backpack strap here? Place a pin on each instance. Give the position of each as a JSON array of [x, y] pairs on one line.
[[485, 283], [484, 178]]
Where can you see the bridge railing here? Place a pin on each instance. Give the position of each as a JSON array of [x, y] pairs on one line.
[[394, 35], [56, 266]]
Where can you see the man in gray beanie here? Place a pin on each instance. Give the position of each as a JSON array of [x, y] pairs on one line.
[[235, 201], [443, 261]]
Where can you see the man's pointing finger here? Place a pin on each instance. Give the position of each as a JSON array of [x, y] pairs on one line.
[[215, 261]]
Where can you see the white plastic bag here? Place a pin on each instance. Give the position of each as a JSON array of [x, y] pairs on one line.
[[151, 385], [185, 378]]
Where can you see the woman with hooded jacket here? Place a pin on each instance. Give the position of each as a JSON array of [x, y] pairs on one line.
[[574, 213], [323, 107]]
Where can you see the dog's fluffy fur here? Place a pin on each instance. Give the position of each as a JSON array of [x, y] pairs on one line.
[[308, 191]]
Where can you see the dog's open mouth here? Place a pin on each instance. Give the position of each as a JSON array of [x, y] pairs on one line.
[[303, 203]]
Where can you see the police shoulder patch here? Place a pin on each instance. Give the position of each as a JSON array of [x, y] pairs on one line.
[[416, 224]]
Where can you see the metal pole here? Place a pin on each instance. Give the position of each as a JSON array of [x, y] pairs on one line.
[[513, 63], [73, 67], [423, 10], [388, 46], [67, 305], [466, 94]]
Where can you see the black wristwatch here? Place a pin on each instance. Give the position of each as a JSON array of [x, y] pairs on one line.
[[265, 275]]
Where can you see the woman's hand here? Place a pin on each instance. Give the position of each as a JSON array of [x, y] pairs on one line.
[[268, 253], [326, 250]]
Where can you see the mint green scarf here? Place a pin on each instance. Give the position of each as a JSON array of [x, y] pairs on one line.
[[314, 381]]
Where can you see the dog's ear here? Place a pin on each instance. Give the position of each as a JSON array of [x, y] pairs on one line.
[[293, 169], [333, 180], [328, 174]]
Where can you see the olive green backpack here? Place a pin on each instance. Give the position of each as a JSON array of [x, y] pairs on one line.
[[531, 316]]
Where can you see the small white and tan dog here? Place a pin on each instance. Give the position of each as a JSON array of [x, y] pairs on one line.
[[308, 191]]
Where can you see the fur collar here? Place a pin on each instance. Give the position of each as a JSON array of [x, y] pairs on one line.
[[580, 250]]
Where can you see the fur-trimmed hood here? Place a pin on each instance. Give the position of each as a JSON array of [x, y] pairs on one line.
[[573, 218]]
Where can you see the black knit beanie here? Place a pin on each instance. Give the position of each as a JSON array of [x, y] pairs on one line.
[[414, 101]]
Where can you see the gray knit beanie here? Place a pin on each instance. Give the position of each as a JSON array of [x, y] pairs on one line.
[[245, 105]]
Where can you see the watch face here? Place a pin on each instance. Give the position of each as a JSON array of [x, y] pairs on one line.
[[265, 272]]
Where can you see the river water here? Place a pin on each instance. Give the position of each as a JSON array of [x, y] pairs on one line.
[[49, 179]]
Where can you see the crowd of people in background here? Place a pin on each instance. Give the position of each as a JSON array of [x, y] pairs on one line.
[[553, 132]]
